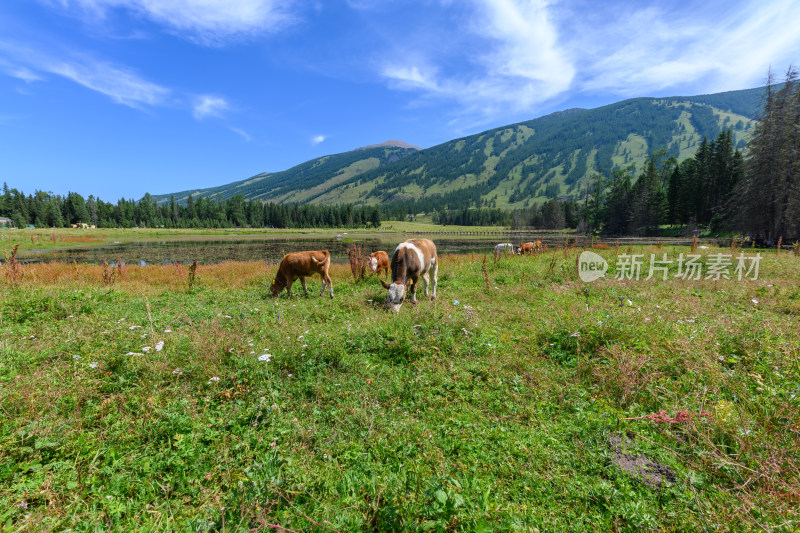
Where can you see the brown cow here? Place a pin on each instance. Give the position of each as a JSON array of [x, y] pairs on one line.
[[411, 259], [379, 261], [299, 265], [526, 248]]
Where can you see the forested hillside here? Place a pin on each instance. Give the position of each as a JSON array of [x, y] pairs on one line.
[[305, 182], [512, 166]]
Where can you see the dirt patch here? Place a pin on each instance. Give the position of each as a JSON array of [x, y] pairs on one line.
[[649, 472]]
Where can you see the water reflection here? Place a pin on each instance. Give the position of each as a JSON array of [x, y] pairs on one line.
[[208, 251]]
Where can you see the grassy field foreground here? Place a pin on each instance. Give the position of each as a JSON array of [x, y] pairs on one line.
[[143, 399]]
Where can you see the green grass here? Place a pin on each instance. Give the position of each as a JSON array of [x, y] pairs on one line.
[[488, 409]]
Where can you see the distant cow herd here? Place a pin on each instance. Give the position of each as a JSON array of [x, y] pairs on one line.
[[411, 260]]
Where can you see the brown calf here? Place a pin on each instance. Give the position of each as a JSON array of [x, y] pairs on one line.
[[299, 265], [379, 261], [526, 248], [411, 259]]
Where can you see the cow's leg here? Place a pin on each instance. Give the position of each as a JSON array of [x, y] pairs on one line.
[[326, 280], [413, 289], [289, 282], [303, 284], [427, 278], [435, 275]]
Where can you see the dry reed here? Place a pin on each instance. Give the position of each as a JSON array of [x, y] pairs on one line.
[[13, 267], [486, 274]]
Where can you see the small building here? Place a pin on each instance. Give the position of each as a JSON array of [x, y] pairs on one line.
[[6, 222]]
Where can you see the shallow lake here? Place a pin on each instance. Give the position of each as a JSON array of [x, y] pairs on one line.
[[271, 249]]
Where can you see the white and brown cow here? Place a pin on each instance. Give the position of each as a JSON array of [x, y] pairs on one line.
[[299, 265], [411, 259], [379, 262]]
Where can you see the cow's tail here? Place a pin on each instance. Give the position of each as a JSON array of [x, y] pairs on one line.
[[326, 258]]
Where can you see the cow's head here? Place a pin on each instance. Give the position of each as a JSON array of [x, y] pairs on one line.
[[394, 298], [276, 287], [373, 263]]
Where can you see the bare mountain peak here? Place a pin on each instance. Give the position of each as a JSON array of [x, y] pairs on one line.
[[395, 144]]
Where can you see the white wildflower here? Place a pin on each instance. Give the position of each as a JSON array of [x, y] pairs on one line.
[[265, 357], [146, 349], [94, 364], [159, 346], [76, 357], [134, 327]]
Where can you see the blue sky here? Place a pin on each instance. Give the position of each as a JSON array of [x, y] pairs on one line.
[[120, 97]]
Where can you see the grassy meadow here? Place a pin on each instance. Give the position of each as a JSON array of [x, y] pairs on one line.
[[156, 398]]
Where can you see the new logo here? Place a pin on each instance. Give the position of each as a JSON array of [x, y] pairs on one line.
[[591, 266]]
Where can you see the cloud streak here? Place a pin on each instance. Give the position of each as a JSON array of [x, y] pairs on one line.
[[208, 22], [664, 49], [117, 82], [521, 62]]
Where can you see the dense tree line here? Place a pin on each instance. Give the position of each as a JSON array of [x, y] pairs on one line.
[[767, 202], [45, 210], [698, 191]]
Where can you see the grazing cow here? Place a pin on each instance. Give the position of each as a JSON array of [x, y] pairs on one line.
[[411, 259], [299, 265], [379, 261], [526, 248], [504, 248], [537, 247]]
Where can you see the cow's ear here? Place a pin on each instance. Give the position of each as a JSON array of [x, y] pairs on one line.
[[385, 285]]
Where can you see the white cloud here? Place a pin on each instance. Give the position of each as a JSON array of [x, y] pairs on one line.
[[118, 83], [522, 63], [316, 139], [722, 49], [210, 106], [211, 22]]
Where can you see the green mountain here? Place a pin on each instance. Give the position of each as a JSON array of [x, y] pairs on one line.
[[511, 166]]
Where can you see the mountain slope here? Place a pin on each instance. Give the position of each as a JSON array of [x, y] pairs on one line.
[[306, 181], [511, 166]]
